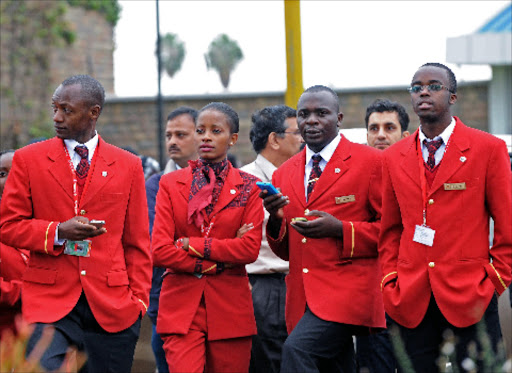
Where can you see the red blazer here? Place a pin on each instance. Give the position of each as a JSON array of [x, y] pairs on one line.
[[457, 269], [117, 276], [226, 292], [339, 280], [12, 265]]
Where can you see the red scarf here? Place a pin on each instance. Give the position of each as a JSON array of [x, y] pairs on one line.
[[207, 181]]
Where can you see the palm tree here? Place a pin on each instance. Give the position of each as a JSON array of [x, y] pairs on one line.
[[223, 56], [172, 53]]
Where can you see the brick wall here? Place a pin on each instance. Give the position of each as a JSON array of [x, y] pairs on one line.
[[133, 121], [30, 69]]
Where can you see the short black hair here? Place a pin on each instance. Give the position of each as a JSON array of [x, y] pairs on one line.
[[92, 90], [451, 76], [384, 105], [183, 110], [267, 120], [322, 88], [228, 111]]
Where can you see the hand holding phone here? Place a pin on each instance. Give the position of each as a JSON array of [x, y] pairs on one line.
[[268, 187], [97, 223]]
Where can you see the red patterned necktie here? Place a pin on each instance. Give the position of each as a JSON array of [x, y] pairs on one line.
[[432, 147], [83, 167], [316, 171]]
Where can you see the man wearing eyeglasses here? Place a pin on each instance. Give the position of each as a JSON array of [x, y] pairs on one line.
[[440, 186], [275, 137]]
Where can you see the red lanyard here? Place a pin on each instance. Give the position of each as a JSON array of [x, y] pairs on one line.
[[423, 179], [206, 230], [75, 180]]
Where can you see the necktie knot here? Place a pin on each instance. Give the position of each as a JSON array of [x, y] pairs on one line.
[[316, 159], [432, 147], [82, 151]]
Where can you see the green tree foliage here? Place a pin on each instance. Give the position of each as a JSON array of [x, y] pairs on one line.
[[172, 51], [109, 8], [223, 55]]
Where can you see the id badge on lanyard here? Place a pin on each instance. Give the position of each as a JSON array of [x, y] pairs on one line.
[[77, 248], [423, 234]]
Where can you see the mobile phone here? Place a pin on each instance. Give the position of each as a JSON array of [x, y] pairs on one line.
[[268, 187], [97, 223]]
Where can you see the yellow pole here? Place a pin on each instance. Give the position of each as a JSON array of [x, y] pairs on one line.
[[294, 87]]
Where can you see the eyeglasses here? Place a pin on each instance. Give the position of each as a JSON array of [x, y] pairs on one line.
[[296, 133], [434, 87]]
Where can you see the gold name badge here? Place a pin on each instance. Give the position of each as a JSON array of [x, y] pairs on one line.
[[345, 199], [454, 186]]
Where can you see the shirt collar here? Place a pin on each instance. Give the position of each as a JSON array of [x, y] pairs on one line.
[[265, 165], [91, 145], [445, 135], [326, 152]]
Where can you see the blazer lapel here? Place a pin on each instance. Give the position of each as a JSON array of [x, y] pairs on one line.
[[102, 172], [60, 168], [229, 190], [335, 168], [297, 178], [410, 163], [453, 158]]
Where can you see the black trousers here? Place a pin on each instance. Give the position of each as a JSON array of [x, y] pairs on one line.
[[374, 352], [269, 299], [430, 340], [105, 352], [316, 345]]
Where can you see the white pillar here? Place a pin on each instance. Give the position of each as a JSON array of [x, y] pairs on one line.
[[500, 100]]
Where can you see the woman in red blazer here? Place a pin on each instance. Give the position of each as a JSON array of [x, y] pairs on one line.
[[206, 317]]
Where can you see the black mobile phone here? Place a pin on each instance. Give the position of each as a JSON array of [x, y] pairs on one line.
[[268, 187]]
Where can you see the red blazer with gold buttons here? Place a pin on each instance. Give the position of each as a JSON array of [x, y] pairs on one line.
[[472, 184], [117, 276], [338, 279], [218, 259]]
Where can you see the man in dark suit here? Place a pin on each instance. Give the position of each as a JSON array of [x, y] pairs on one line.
[[90, 282], [332, 287], [440, 187]]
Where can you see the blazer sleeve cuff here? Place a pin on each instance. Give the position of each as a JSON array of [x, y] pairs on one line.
[[50, 248], [496, 278]]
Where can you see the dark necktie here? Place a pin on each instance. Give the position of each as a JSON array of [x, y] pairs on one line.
[[316, 171], [83, 167], [432, 147]]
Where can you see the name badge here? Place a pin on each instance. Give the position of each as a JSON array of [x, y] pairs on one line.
[[424, 235], [78, 248], [454, 186], [345, 199]]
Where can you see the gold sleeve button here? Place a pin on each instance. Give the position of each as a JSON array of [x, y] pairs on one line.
[[431, 264], [83, 273], [431, 201], [305, 270]]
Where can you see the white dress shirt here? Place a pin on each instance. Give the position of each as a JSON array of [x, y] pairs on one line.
[[439, 152]]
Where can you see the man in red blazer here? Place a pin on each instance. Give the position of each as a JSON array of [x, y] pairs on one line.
[[333, 284], [92, 284], [438, 271]]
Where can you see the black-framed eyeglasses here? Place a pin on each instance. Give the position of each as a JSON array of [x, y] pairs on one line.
[[434, 87]]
